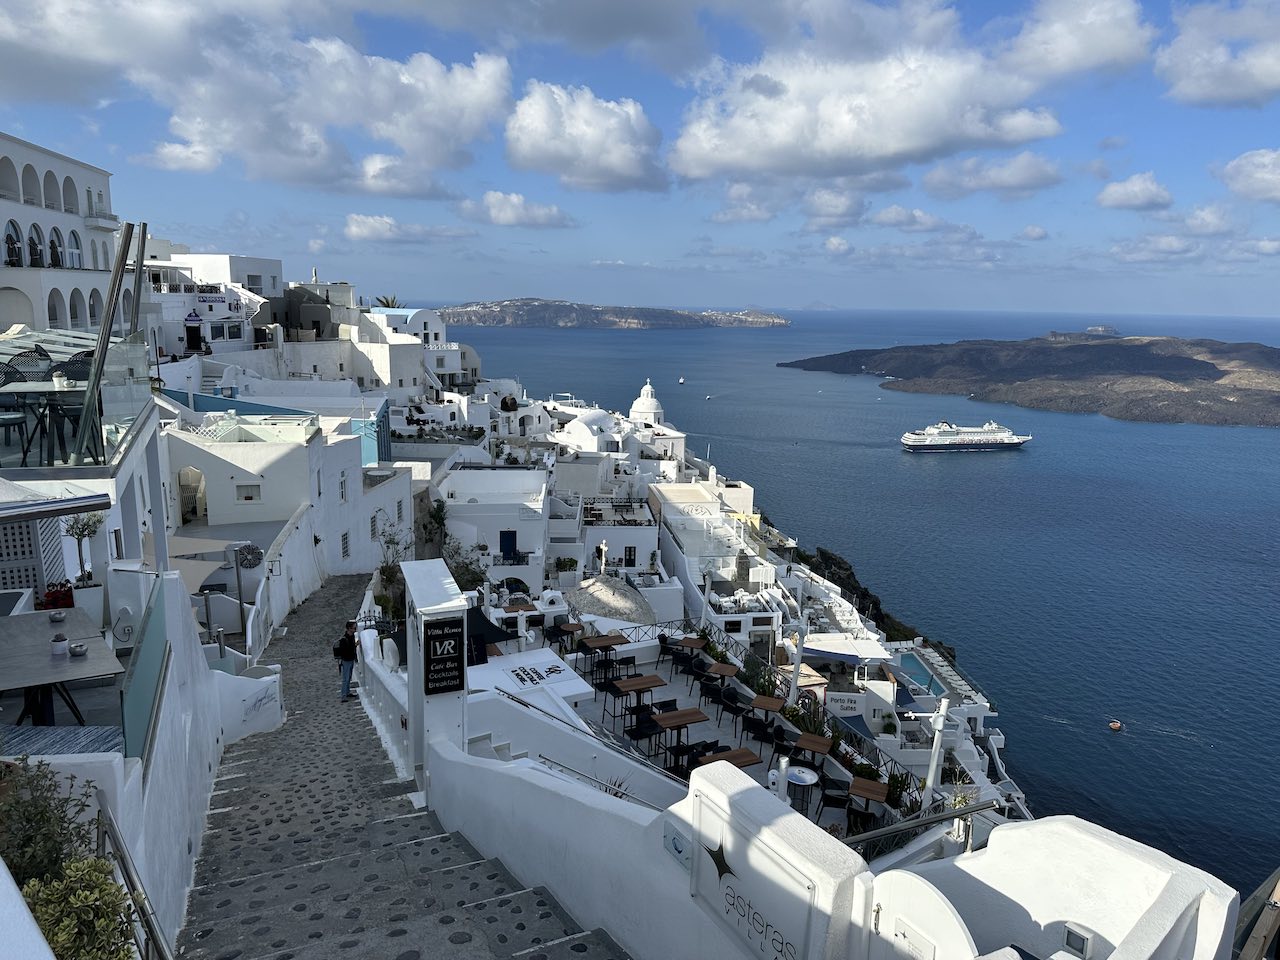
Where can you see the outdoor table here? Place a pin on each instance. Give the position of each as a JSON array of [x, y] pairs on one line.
[[739, 757], [601, 646], [40, 396], [869, 790], [692, 643], [723, 670], [27, 664], [571, 628], [767, 704], [812, 743], [640, 685], [520, 608], [492, 650], [677, 720], [803, 778]]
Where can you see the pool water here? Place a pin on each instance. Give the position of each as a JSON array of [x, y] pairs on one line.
[[914, 668]]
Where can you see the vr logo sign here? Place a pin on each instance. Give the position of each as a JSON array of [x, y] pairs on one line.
[[446, 666]]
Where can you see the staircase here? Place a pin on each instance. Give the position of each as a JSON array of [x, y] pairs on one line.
[[313, 849]]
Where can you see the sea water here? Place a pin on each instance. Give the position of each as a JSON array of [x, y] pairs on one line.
[[1107, 570]]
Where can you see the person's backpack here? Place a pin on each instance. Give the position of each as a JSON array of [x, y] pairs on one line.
[[337, 650]]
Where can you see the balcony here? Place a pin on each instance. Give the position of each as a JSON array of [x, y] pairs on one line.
[[519, 558], [102, 220]]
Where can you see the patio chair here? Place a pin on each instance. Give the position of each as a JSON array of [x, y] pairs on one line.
[[625, 667], [11, 413], [781, 744], [614, 695], [665, 706], [645, 731], [732, 705], [698, 672], [709, 692], [679, 658], [835, 793], [758, 727], [34, 363], [664, 649]]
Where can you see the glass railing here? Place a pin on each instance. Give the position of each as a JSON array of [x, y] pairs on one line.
[[125, 390], [144, 680]]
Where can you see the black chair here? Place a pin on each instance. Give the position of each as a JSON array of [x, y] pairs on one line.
[[34, 363], [664, 649], [835, 793], [625, 667], [665, 706], [698, 673], [645, 731], [732, 705], [611, 693], [782, 744], [602, 674], [584, 657], [681, 658], [758, 727], [709, 692], [12, 415]]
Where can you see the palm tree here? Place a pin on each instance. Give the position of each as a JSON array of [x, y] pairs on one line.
[[392, 301]]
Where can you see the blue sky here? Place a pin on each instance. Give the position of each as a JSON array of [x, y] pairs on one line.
[[1091, 155]]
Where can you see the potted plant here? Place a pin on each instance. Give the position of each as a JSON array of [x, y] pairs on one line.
[[101, 924], [83, 526]]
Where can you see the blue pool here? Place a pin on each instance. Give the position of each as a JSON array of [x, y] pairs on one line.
[[914, 668]]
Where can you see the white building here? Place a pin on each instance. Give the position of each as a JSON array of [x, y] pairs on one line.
[[505, 513], [58, 238], [455, 365]]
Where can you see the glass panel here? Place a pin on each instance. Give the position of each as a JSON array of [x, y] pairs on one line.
[[125, 391], [143, 681]]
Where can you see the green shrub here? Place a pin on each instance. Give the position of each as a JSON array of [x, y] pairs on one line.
[[868, 771], [41, 820], [86, 914]]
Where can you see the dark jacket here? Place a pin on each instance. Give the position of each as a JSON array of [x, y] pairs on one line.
[[347, 647]]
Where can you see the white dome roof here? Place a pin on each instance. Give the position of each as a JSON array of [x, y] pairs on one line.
[[646, 408]]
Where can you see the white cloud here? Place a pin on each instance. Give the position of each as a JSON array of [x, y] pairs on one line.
[[1225, 54], [1255, 175], [836, 245], [316, 245], [1071, 36], [1019, 176], [374, 228], [1210, 221], [513, 210], [842, 116], [830, 208], [1034, 232], [913, 221], [750, 203], [1139, 192], [1156, 248], [589, 143], [1261, 247]]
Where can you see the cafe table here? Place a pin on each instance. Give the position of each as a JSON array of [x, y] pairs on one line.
[[27, 664]]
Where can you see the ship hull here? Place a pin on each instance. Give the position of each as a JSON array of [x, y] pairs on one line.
[[961, 447]]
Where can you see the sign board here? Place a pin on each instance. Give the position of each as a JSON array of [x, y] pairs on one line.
[[844, 704], [210, 298], [530, 676], [445, 656]]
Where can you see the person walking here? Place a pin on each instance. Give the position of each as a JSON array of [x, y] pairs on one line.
[[346, 651]]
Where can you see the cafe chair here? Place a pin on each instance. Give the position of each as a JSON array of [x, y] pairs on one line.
[[758, 727], [679, 658], [12, 416], [709, 692], [625, 667], [782, 745], [665, 706], [835, 793], [664, 650], [697, 673], [732, 705]]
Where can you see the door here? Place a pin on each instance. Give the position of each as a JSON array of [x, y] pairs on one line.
[[629, 556], [507, 544], [193, 337]]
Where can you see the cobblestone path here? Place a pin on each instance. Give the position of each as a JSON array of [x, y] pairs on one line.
[[313, 850]]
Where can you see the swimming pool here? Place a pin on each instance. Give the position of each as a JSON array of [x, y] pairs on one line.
[[914, 668]]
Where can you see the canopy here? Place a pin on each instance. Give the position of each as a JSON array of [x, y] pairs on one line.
[[846, 647]]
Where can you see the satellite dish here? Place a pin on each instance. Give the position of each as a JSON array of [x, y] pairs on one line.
[[249, 556]]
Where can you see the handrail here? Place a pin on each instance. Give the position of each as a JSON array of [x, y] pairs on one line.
[[609, 787], [927, 820], [591, 735], [152, 935]]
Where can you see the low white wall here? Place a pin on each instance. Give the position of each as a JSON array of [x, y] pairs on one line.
[[385, 696], [301, 571], [600, 856], [22, 937]]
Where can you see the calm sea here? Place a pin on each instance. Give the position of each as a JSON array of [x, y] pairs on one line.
[[1107, 570]]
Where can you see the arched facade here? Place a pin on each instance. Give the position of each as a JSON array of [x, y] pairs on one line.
[[95, 309], [35, 246], [57, 311], [70, 197], [15, 307], [75, 254], [57, 250], [9, 187], [126, 309], [52, 192], [13, 252], [78, 313], [93, 247], [31, 187]]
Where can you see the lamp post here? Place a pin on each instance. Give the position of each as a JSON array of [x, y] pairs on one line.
[[938, 720]]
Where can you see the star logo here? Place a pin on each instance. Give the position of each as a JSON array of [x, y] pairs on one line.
[[720, 860]]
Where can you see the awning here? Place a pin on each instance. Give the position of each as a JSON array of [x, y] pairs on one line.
[[858, 726], [481, 632], [194, 572], [846, 647]]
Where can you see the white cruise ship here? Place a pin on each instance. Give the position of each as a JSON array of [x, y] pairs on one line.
[[944, 436]]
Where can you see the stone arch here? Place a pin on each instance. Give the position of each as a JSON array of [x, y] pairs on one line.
[[35, 246], [31, 186], [15, 307], [57, 249], [75, 254], [52, 194], [77, 313], [14, 253], [126, 308], [95, 309], [57, 311], [93, 246], [70, 196], [106, 255], [9, 189]]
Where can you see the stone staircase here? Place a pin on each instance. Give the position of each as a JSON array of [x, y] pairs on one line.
[[313, 849]]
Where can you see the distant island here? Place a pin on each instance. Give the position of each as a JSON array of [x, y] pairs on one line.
[[1149, 379], [529, 312]]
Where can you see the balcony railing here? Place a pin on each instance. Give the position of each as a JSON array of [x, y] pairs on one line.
[[520, 558]]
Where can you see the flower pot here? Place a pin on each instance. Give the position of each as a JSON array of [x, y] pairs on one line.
[[89, 599], [59, 646]]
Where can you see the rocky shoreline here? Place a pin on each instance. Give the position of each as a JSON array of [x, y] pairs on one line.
[[530, 312], [1145, 379]]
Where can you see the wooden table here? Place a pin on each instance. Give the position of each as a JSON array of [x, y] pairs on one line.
[[571, 627], [739, 757], [767, 704], [677, 720], [812, 743], [723, 670], [691, 643], [520, 608], [26, 663], [605, 641], [492, 650], [869, 790], [640, 685]]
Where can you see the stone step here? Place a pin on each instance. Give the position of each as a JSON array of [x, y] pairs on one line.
[[498, 927], [591, 945], [348, 898], [224, 862]]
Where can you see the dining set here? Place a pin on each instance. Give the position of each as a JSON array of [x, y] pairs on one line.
[[40, 398]]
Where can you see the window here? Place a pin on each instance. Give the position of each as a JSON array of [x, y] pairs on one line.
[[342, 486], [1076, 940], [234, 332], [628, 556], [314, 368], [762, 621], [439, 363], [401, 381], [399, 511], [318, 487], [733, 626], [273, 281], [217, 331], [373, 527], [415, 381], [210, 308], [360, 382], [340, 368], [437, 336], [247, 492], [346, 545]]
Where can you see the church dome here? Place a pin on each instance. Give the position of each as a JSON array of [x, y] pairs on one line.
[[646, 408]]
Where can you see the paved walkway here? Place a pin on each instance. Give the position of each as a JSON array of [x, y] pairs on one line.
[[313, 849]]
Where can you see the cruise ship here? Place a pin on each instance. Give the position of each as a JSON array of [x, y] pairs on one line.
[[945, 436]]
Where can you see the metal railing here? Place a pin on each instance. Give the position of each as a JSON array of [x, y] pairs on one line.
[[876, 843], [147, 934], [613, 789]]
